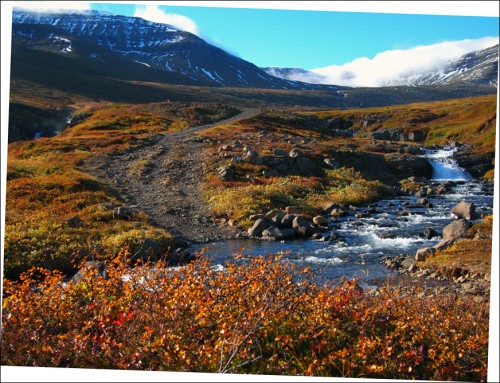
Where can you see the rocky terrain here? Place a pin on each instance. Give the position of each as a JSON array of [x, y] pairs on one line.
[[163, 179]]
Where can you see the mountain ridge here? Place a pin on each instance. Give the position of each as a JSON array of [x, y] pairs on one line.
[[155, 45], [474, 68]]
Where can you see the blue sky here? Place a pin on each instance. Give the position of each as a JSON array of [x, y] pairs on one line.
[[313, 39]]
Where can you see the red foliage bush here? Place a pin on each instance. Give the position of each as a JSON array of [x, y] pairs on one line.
[[259, 315]]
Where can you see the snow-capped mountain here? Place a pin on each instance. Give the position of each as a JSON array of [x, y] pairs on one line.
[[158, 46], [475, 68]]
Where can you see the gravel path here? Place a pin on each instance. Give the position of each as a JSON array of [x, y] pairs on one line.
[[168, 188]]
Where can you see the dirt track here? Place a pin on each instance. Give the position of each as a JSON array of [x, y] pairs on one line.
[[168, 188]]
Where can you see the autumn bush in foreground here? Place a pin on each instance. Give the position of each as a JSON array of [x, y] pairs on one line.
[[258, 315]]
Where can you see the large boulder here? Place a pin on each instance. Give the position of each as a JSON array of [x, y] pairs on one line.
[[251, 155], [457, 229], [276, 233], [259, 226], [370, 165], [303, 227], [320, 220], [287, 221], [275, 215], [464, 210]]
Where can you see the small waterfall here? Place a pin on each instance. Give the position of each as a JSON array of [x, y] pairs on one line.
[[445, 167]]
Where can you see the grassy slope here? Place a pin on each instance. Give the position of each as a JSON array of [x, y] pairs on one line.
[[468, 120], [45, 187]]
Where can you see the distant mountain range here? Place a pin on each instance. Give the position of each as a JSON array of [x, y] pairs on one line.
[[478, 68]]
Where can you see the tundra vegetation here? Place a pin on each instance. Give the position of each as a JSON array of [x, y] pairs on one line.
[[259, 315]]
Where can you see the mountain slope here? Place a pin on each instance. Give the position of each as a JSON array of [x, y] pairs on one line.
[[153, 45]]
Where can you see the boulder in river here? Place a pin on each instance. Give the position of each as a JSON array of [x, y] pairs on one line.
[[302, 226], [320, 220], [276, 234], [259, 226], [464, 210]]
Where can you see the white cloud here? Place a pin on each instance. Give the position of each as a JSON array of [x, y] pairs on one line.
[[52, 6], [393, 64], [155, 14]]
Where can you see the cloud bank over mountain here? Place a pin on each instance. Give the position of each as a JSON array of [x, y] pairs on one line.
[[387, 66], [155, 14]]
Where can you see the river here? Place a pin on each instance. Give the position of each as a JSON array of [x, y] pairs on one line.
[[364, 241]]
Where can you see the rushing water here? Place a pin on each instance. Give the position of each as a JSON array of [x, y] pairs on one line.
[[365, 241], [445, 167]]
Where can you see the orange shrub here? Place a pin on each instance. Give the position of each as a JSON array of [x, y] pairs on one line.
[[259, 315]]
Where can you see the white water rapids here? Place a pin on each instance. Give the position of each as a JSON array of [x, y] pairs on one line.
[[364, 242], [445, 166]]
